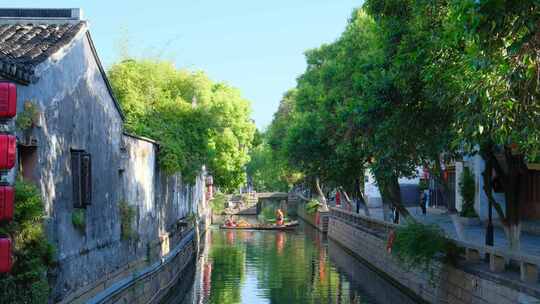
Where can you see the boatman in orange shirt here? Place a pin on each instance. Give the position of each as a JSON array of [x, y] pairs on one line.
[[279, 217]]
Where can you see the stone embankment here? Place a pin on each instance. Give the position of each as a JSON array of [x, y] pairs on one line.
[[318, 220], [472, 281]]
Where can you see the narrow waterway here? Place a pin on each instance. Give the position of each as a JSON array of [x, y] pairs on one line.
[[256, 267]]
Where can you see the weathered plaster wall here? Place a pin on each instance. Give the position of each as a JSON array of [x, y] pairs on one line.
[[77, 112], [476, 164]]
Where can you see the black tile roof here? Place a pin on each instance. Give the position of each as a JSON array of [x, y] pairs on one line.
[[24, 46]]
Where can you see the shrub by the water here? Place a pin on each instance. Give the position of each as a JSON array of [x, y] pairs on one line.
[[417, 246], [218, 203], [312, 206], [33, 255]]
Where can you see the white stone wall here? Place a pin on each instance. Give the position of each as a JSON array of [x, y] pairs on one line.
[[372, 193], [481, 205]]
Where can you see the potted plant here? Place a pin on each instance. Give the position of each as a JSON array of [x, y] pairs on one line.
[[467, 189]]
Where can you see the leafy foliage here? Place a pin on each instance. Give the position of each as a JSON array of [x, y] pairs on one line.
[[410, 84], [267, 171], [467, 188], [78, 219], [313, 206], [418, 246], [218, 203], [33, 254], [26, 118], [196, 121]]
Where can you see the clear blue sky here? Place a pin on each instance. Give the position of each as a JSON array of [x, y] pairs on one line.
[[254, 45]]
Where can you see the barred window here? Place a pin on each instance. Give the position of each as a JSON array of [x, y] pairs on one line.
[[81, 171]]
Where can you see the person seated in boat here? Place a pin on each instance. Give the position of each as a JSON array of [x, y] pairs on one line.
[[279, 217], [229, 222]]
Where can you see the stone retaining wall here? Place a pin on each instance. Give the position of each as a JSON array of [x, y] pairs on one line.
[[321, 225], [368, 281], [449, 284], [151, 284]]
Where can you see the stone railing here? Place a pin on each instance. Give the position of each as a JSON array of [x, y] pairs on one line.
[[373, 226], [499, 258]]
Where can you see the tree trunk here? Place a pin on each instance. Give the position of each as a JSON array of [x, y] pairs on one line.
[[395, 197], [516, 169], [359, 196], [391, 196], [322, 198], [510, 174]]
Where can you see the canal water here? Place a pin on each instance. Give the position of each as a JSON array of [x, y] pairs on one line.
[[258, 267]]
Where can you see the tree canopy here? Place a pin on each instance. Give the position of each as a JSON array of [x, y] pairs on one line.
[[195, 120], [417, 83]]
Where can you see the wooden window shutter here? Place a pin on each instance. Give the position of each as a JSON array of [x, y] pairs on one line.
[[86, 179], [76, 165]]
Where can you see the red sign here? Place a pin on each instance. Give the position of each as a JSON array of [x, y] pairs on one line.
[[338, 199], [8, 150], [8, 100], [6, 203], [5, 255]]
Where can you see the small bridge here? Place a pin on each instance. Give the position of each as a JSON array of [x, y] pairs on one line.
[[272, 195], [257, 201]]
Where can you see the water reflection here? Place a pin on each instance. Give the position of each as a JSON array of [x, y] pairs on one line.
[[258, 267]]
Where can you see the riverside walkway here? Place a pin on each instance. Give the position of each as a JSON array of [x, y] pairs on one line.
[[530, 243]]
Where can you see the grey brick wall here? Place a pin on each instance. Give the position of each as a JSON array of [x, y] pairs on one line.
[[449, 284]]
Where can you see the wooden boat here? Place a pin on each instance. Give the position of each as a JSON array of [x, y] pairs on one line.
[[288, 226]]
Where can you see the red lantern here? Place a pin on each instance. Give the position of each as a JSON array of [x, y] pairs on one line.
[[6, 203], [5, 255], [8, 150], [8, 100]]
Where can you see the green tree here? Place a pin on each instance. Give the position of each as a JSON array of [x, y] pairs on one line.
[[492, 65], [267, 172], [196, 121]]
